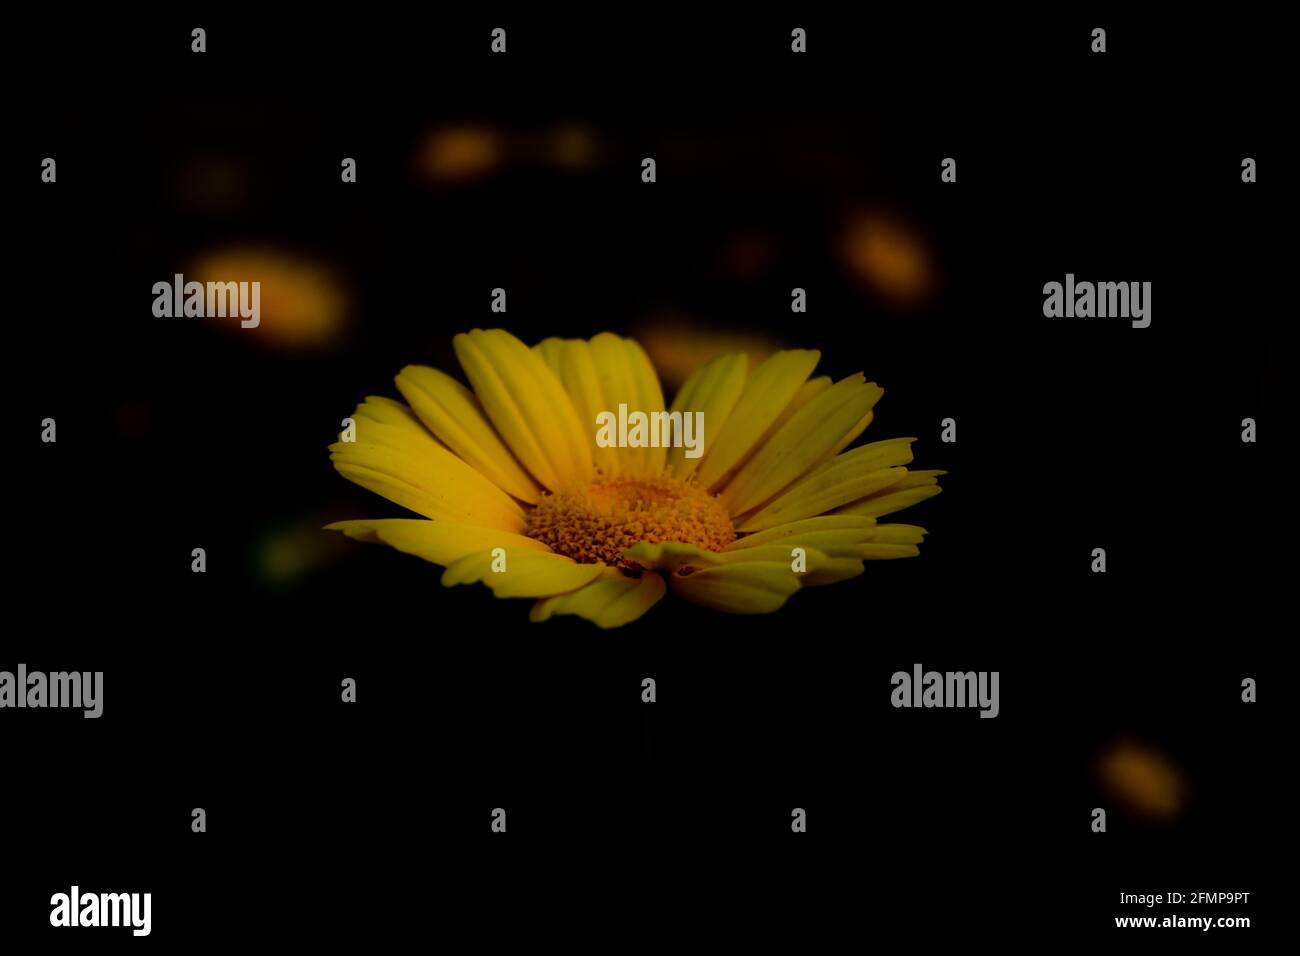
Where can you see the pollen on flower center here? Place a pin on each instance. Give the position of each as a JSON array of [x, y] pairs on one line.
[[600, 521]]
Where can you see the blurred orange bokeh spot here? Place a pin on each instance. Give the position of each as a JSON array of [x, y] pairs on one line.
[[302, 303], [889, 257], [1142, 780], [573, 148], [457, 154]]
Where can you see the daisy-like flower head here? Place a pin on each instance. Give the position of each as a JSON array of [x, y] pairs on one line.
[[516, 492]]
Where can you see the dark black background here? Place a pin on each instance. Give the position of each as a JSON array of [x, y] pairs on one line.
[[371, 822]]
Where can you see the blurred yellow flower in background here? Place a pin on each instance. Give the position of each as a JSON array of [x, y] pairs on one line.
[[303, 305], [677, 349]]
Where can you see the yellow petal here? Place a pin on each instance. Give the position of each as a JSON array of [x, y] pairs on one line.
[[395, 456], [675, 556], [898, 534], [438, 541], [840, 536], [845, 538], [767, 553], [825, 494], [611, 601], [455, 416], [833, 571], [913, 488], [670, 555], [386, 411], [807, 392], [886, 552], [527, 573], [849, 437], [746, 588], [626, 377], [850, 523], [650, 398], [712, 390], [571, 360], [802, 442], [549, 350], [528, 405], [767, 392], [845, 478]]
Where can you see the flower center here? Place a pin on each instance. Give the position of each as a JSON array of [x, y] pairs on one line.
[[600, 521]]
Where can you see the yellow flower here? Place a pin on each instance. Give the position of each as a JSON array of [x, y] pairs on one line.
[[518, 494]]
